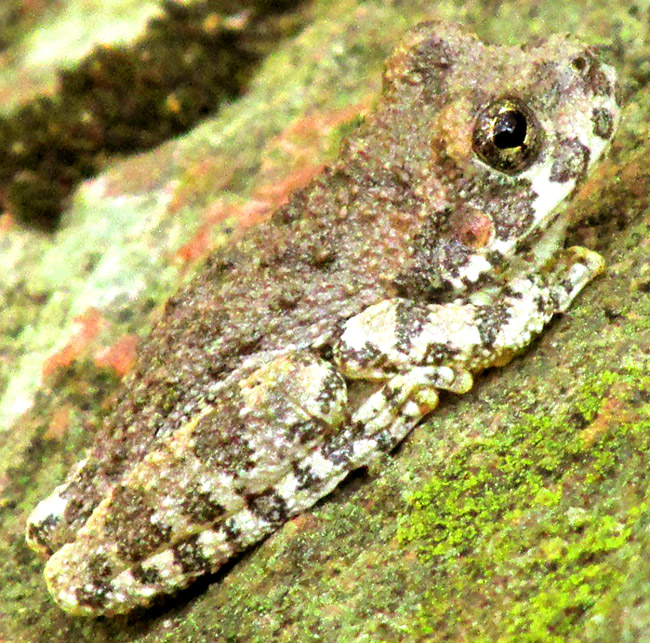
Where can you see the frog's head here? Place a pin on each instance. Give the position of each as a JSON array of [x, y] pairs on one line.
[[511, 132]]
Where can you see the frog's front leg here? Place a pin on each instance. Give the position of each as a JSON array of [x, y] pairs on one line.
[[417, 349]]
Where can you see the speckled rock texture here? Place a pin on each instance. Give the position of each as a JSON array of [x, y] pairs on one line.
[[93, 80], [517, 512]]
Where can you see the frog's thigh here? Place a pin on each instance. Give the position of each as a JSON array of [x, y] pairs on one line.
[[206, 491]]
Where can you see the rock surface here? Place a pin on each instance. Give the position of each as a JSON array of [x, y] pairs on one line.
[[519, 511]]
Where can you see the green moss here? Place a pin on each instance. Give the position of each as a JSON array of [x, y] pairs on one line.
[[511, 510], [590, 398]]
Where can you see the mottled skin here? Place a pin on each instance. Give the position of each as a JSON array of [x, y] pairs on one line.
[[427, 252]]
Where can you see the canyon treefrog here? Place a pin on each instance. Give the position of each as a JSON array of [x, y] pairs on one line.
[[430, 250]]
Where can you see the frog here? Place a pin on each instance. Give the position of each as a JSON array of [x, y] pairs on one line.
[[432, 248]]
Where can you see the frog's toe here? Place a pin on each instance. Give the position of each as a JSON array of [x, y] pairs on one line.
[[89, 580], [46, 522]]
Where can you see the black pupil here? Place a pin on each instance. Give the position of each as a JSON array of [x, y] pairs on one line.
[[510, 130]]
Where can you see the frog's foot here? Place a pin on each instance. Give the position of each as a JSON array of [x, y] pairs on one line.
[[237, 466], [574, 269], [412, 395]]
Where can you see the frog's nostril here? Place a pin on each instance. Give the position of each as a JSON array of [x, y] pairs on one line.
[[579, 63]]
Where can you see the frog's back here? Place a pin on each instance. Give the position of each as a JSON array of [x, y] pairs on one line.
[[289, 283]]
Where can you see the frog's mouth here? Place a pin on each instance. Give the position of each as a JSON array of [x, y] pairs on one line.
[[550, 204]]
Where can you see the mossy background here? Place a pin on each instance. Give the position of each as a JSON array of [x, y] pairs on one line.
[[517, 512]]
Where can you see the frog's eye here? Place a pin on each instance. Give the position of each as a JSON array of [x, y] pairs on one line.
[[507, 136]]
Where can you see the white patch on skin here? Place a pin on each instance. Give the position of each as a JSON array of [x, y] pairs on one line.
[[354, 336], [457, 283], [476, 266], [419, 349], [221, 486], [378, 320], [165, 564], [52, 507], [581, 272], [595, 144], [128, 582], [369, 411], [519, 327], [287, 486], [363, 447], [248, 522], [315, 378], [320, 465], [582, 124], [503, 246], [67, 598], [549, 193], [411, 409], [214, 545], [453, 325]]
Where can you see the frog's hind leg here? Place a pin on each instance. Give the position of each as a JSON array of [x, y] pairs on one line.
[[164, 572], [74, 573], [308, 480], [200, 553], [220, 483]]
